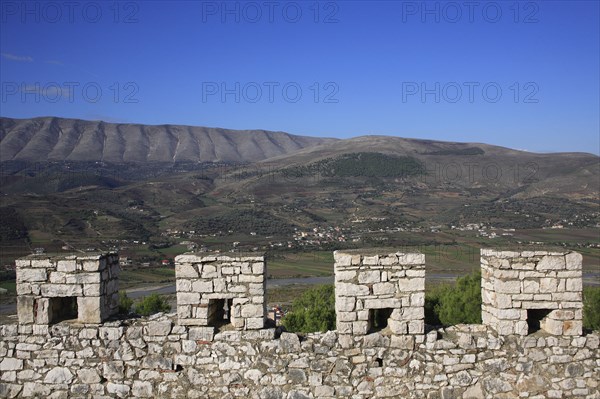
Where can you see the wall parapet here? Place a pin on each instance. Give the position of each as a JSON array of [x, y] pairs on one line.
[[214, 288], [375, 291], [381, 348], [525, 291], [146, 358], [51, 288]]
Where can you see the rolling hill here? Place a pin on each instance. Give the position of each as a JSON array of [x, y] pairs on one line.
[[95, 184]]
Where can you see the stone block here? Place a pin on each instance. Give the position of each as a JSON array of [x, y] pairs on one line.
[[92, 290], [398, 327], [389, 303], [411, 259], [248, 278], [345, 304], [389, 260], [567, 296], [416, 327], [66, 265], [406, 342], [61, 290], [413, 313], [83, 278], [59, 375], [89, 309], [93, 265], [360, 327], [201, 333], [183, 285], [202, 286], [507, 287], [342, 259], [552, 326], [411, 284], [531, 286], [255, 323], [41, 263], [384, 288], [142, 389], [574, 284], [31, 275], [548, 285], [346, 316], [9, 364], [550, 262], [185, 270], [345, 275], [371, 260], [58, 277], [521, 327], [158, 328], [574, 261], [25, 310], [258, 268], [415, 273], [251, 310], [347, 289], [344, 327], [42, 311], [572, 327], [369, 277], [510, 314]]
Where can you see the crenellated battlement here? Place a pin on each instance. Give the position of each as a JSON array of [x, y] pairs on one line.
[[381, 348]]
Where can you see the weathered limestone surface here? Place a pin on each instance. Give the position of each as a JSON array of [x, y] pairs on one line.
[[208, 283], [367, 284], [90, 281], [518, 287], [158, 358], [168, 356]]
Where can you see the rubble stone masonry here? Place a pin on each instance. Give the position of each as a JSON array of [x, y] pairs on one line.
[[181, 355]]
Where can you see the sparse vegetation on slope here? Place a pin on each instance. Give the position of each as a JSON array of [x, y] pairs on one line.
[[242, 221], [457, 151], [12, 226], [360, 164]]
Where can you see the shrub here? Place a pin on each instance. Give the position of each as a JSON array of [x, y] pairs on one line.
[[151, 304], [313, 311], [125, 303], [432, 299], [591, 308], [455, 304]]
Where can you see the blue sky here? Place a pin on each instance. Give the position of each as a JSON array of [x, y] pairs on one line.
[[519, 74]]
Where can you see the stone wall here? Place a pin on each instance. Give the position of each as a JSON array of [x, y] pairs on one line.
[[216, 288], [375, 291], [161, 359], [180, 356], [84, 287], [529, 290]]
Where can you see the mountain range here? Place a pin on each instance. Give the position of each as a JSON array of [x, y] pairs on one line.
[[60, 139], [81, 182]]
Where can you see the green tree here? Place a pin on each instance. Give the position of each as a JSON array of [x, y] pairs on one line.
[[591, 308], [457, 304], [313, 311], [432, 300], [151, 304], [125, 303]]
